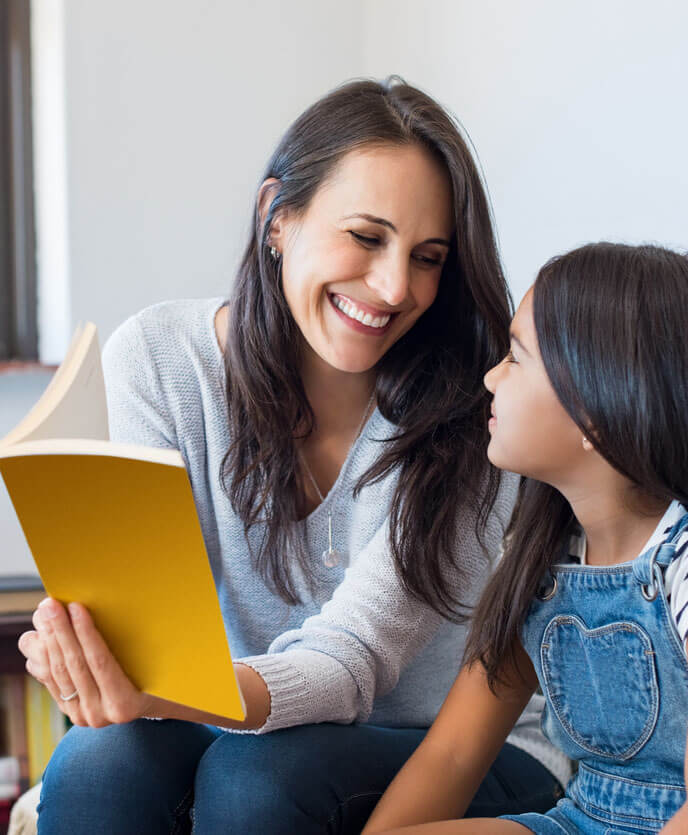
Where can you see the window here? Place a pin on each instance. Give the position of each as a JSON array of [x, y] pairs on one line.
[[18, 330]]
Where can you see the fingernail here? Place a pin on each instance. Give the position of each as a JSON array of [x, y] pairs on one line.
[[73, 610], [48, 608]]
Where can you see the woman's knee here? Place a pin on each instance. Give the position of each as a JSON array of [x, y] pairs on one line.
[[310, 779], [261, 783], [136, 771]]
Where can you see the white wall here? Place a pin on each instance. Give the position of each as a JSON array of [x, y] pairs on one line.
[[577, 111], [172, 109], [18, 392], [50, 177]]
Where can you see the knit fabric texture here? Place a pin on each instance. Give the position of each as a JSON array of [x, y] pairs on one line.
[[358, 649]]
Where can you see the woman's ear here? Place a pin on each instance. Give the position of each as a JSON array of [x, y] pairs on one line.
[[266, 194]]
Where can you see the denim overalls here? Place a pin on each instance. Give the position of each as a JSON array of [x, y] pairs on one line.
[[615, 676]]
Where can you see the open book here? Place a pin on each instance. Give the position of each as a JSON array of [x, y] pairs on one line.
[[114, 526]]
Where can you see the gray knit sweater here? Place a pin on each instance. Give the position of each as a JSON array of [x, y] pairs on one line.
[[358, 650]]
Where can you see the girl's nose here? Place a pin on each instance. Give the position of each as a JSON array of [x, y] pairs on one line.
[[490, 379]]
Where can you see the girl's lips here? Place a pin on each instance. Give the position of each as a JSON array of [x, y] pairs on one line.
[[357, 326]]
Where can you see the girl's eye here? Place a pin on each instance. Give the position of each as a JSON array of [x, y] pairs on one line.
[[510, 357], [364, 239]]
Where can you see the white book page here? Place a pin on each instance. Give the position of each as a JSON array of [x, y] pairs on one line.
[[78, 446], [74, 404]]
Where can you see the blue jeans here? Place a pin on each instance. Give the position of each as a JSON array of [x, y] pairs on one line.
[[144, 777]]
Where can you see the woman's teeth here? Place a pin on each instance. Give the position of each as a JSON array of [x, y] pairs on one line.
[[349, 309]]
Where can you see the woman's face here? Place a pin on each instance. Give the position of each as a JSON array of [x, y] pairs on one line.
[[363, 262], [530, 431]]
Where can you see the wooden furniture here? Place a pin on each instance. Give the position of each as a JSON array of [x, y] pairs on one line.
[[12, 669], [11, 627]]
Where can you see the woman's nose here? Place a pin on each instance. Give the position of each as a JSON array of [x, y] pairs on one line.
[[390, 281]]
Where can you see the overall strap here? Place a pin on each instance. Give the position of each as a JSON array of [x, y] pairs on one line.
[[662, 554]]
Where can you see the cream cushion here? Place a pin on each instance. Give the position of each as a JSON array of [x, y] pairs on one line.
[[24, 815]]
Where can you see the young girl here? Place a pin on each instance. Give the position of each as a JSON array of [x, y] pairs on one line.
[[591, 597]]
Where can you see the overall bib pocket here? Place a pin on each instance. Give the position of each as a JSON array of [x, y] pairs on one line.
[[601, 684]]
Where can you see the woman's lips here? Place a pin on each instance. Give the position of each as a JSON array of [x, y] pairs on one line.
[[363, 311]]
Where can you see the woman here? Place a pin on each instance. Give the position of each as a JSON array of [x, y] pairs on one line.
[[332, 419]]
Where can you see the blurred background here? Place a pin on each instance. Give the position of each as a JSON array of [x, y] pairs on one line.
[[134, 135]]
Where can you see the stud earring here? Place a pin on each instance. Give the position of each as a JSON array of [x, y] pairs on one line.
[[274, 253]]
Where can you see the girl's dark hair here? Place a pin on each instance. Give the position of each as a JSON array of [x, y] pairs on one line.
[[429, 384], [610, 324]]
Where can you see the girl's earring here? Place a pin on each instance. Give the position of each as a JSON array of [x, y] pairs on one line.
[[587, 446], [274, 253]]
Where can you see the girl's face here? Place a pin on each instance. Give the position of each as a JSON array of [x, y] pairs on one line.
[[531, 433], [363, 262]]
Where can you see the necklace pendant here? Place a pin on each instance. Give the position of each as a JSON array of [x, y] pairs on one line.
[[331, 557]]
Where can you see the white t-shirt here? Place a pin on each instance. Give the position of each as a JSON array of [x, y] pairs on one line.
[[676, 575]]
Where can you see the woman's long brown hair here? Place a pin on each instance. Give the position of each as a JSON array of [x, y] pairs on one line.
[[610, 324], [429, 384]]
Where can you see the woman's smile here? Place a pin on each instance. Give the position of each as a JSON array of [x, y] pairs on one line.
[[360, 316]]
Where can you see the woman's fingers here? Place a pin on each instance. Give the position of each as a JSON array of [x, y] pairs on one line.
[[68, 654], [50, 616], [77, 667], [33, 649], [121, 701], [52, 620]]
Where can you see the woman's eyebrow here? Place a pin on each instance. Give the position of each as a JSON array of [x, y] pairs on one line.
[[388, 223]]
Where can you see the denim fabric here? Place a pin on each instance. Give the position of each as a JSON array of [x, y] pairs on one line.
[[145, 778], [615, 678]]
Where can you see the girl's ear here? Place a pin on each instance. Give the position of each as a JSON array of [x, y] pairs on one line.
[[266, 194]]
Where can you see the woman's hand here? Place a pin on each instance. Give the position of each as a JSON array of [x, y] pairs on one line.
[[68, 655]]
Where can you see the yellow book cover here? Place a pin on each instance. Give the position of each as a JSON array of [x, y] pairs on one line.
[[114, 526]]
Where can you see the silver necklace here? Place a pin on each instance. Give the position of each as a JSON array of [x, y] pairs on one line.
[[331, 557]]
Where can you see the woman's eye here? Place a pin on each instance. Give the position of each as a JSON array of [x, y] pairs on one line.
[[510, 356], [366, 240], [429, 260]]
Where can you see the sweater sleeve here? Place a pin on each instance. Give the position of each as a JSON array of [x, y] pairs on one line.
[[333, 666], [137, 410], [354, 650]]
